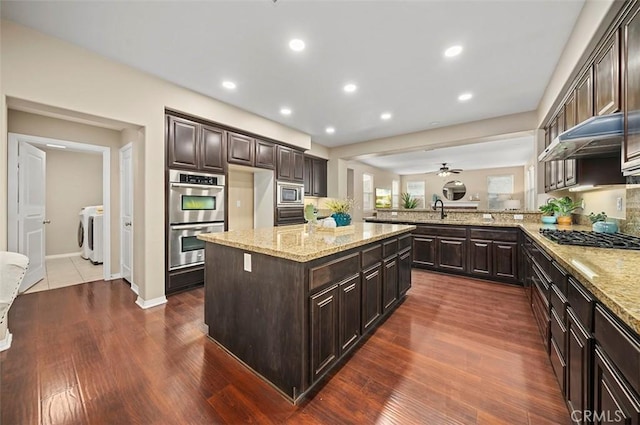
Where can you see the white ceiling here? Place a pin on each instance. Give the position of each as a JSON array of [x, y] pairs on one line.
[[393, 51], [477, 156]]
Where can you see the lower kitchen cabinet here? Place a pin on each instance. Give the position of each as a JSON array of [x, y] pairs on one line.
[[349, 317], [289, 215], [389, 283], [404, 271], [480, 257], [371, 296], [452, 253], [614, 400], [579, 354], [424, 250], [325, 348], [505, 260]]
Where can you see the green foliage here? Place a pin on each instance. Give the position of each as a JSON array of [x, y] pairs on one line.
[[549, 208], [565, 206], [408, 201], [343, 206], [597, 217]]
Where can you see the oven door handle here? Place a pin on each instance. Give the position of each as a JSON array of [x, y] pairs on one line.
[[198, 226], [197, 186]]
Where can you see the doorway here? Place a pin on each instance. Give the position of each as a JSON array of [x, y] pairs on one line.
[[27, 183]]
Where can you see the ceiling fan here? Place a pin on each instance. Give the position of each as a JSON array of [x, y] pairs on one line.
[[445, 171]]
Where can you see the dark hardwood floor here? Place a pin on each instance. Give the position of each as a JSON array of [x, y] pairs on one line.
[[457, 351]]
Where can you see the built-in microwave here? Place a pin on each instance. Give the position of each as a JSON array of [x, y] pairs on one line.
[[290, 194]]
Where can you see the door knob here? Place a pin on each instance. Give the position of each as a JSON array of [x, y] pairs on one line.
[[46, 221], [127, 224]]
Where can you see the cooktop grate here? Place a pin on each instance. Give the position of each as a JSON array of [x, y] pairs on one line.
[[594, 239]]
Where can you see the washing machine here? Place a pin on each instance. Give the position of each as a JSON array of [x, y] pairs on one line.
[[95, 239], [83, 229]]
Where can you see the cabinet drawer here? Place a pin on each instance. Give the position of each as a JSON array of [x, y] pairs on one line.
[[541, 282], [333, 271], [559, 276], [458, 232], [620, 344], [581, 302], [558, 364], [404, 242], [558, 331], [542, 259], [389, 247], [494, 234], [371, 255], [558, 301], [541, 314]]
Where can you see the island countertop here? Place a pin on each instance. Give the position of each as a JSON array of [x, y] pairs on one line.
[[303, 243]]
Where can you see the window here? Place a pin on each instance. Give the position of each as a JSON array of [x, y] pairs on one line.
[[416, 190], [395, 194], [367, 192], [499, 189]]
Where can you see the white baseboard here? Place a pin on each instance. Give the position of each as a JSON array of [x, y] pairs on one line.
[[6, 342], [151, 303], [67, 255], [115, 276], [135, 288]]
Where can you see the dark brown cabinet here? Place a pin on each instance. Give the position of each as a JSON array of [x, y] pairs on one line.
[[194, 146], [560, 164], [240, 149], [349, 317], [289, 164], [315, 176], [480, 257], [389, 283], [404, 271], [505, 260], [325, 348], [371, 296], [424, 250], [606, 70], [631, 84], [584, 98], [613, 400], [452, 253], [552, 165], [265, 154], [570, 121], [289, 215], [578, 358]]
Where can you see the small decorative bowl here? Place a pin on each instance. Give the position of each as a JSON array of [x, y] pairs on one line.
[[605, 227], [548, 219]]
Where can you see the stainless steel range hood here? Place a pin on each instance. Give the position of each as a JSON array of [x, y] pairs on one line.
[[597, 136]]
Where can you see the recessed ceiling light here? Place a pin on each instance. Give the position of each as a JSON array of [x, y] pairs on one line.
[[350, 88], [285, 111], [453, 51], [330, 130], [386, 116], [464, 97], [51, 145], [229, 85], [296, 45], [434, 123]]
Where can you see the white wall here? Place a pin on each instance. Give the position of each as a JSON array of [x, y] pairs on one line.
[[48, 71], [73, 181], [474, 180], [240, 187], [381, 179]]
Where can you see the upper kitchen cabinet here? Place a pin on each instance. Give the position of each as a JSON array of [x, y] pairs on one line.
[[570, 121], [265, 154], [290, 164], [560, 127], [194, 146], [240, 149], [631, 81], [315, 176], [584, 97], [607, 77]]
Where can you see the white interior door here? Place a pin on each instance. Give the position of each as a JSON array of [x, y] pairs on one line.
[[31, 211], [126, 213]]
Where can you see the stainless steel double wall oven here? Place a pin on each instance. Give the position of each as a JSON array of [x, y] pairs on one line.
[[196, 205]]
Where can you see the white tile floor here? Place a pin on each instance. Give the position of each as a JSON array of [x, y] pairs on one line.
[[61, 272]]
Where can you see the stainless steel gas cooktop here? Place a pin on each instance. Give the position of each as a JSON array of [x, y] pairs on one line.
[[594, 239]]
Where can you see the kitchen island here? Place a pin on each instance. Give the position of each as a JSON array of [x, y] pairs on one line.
[[292, 302]]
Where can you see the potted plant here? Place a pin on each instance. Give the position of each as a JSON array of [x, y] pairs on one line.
[[565, 206], [600, 224], [548, 211], [341, 209], [408, 201]]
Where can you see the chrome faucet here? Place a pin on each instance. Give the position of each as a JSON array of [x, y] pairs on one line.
[[435, 207]]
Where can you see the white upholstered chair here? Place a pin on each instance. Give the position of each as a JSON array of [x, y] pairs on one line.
[[12, 269]]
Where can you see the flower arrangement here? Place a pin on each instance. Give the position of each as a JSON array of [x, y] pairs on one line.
[[408, 201], [340, 206]]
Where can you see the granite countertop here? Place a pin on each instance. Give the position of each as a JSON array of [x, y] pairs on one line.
[[448, 221], [303, 243]]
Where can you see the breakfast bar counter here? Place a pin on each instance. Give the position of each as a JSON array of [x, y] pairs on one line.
[[292, 302]]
